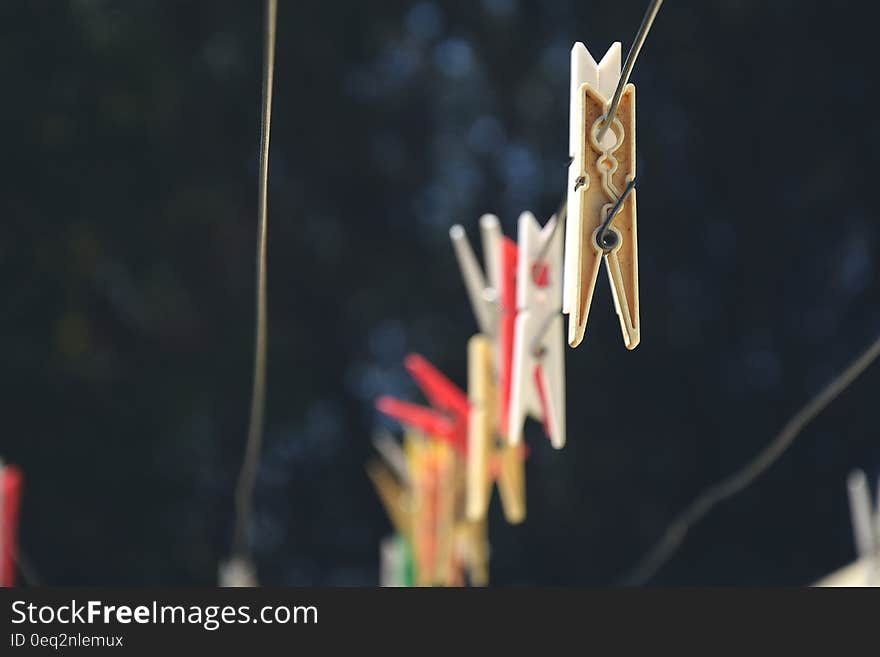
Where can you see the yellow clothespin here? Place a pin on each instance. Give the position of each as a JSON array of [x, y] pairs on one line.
[[392, 494], [423, 506], [472, 546], [512, 481], [601, 197], [444, 527], [481, 426], [483, 446]]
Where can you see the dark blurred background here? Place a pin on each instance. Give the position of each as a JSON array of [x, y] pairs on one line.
[[127, 240]]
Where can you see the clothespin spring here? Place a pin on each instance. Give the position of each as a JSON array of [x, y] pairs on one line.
[[606, 239]]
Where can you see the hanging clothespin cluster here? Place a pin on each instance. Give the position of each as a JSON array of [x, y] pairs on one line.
[[422, 487], [437, 488], [515, 362], [10, 501], [456, 451]]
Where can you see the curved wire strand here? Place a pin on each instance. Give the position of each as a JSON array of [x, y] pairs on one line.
[[638, 42], [675, 533], [244, 491]]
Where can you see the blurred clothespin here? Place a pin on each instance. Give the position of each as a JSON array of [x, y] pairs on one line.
[[601, 197], [538, 359], [395, 569], [481, 426], [392, 494], [866, 524], [509, 470], [237, 572], [447, 497], [472, 549], [493, 298], [392, 454], [507, 284], [423, 472], [482, 289], [488, 461], [448, 419], [10, 500]]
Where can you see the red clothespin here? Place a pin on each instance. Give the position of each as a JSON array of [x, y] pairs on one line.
[[507, 318], [10, 497], [447, 420]]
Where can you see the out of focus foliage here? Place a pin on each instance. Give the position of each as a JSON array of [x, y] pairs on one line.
[[130, 134]]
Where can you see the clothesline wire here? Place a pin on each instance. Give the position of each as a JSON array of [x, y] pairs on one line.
[[675, 533], [635, 48], [244, 491]]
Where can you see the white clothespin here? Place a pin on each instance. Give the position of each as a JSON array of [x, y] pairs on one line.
[[538, 378], [866, 524], [483, 295], [489, 370], [601, 174]]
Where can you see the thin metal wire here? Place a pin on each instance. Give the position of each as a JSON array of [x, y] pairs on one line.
[[638, 42], [606, 224], [675, 533], [244, 491]]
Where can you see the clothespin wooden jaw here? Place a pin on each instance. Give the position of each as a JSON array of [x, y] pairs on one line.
[[473, 550], [481, 426], [598, 176], [394, 495], [487, 460], [538, 360]]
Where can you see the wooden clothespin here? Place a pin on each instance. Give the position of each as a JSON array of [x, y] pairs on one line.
[[488, 459], [447, 420], [538, 359], [447, 512], [508, 258], [391, 451], [493, 298], [393, 495], [472, 548], [481, 426], [601, 199], [10, 500]]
